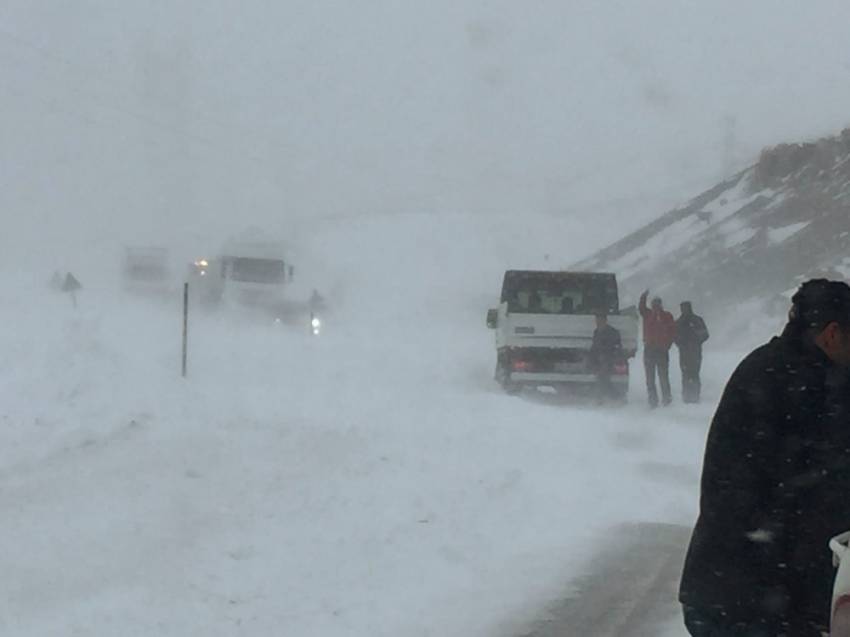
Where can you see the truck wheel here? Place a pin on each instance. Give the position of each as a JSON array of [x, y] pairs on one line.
[[568, 390], [622, 395], [511, 388], [503, 378]]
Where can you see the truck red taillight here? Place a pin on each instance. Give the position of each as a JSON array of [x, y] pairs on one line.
[[521, 366], [621, 368]]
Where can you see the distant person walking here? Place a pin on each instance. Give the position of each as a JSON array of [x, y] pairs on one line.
[[691, 333], [605, 352], [659, 331], [316, 302]]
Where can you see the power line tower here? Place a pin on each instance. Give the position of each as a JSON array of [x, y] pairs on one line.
[[730, 143]]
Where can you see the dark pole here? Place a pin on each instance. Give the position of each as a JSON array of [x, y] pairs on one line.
[[185, 325]]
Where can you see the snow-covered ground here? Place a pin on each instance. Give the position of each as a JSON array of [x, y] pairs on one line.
[[373, 481]]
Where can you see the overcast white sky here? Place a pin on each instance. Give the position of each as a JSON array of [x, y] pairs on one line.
[[133, 114]]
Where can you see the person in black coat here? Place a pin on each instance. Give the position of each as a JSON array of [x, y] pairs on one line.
[[776, 481], [691, 333], [605, 352]]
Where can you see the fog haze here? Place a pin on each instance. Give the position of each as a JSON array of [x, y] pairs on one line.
[[249, 254], [160, 117]]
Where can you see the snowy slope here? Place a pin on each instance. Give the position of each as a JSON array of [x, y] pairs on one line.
[[371, 482], [748, 240]]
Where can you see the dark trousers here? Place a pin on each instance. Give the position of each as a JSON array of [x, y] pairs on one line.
[[657, 360], [605, 390], [701, 624], [690, 362]]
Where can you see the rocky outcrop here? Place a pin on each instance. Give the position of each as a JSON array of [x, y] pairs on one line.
[[749, 239]]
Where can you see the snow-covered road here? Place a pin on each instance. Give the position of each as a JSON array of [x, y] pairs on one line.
[[370, 482], [630, 588]]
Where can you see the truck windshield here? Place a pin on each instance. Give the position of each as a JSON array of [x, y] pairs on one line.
[[560, 293], [257, 270], [146, 265], [145, 271]]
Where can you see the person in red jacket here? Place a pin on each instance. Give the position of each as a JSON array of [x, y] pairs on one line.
[[659, 332]]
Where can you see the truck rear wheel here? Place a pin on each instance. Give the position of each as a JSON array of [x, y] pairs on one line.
[[503, 377]]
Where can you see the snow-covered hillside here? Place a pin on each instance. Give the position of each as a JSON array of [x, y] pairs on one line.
[[370, 482], [749, 240]]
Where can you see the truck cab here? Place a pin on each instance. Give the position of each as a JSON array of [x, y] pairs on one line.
[[544, 328], [255, 273]]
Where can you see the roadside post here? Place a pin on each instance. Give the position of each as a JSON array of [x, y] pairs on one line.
[[185, 327]]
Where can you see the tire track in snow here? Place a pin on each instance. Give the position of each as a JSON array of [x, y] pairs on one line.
[[631, 590]]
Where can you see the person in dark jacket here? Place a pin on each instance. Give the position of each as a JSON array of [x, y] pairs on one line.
[[535, 302], [659, 331], [776, 480], [691, 333], [605, 352]]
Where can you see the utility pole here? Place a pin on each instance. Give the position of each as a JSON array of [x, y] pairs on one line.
[[185, 326], [729, 145]]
